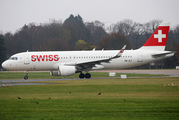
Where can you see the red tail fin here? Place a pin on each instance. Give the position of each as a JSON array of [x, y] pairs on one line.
[[159, 38]]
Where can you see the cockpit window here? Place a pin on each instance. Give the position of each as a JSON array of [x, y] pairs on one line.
[[13, 58]]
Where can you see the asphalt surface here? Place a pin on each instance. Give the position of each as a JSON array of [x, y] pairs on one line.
[[13, 84], [171, 73], [31, 80]]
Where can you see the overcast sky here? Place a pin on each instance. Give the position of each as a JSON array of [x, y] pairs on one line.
[[15, 13]]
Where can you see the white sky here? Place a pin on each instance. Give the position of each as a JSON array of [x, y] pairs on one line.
[[15, 13]]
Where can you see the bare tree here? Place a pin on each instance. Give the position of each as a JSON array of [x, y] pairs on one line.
[[97, 31], [130, 29], [150, 27], [125, 27], [33, 32], [176, 34], [114, 41]]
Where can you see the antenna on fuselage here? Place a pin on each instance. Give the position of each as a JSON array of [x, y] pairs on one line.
[[93, 49]]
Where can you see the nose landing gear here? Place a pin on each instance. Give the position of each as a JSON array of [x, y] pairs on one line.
[[26, 76]]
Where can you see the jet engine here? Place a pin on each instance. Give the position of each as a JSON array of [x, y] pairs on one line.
[[64, 71]]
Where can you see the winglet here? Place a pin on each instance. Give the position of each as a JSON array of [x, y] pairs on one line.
[[120, 52]]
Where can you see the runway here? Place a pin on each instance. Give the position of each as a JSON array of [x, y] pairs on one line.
[[13, 84], [171, 73]]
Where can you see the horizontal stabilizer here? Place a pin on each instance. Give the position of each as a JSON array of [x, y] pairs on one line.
[[162, 54]]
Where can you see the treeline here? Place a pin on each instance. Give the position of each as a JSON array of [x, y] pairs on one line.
[[75, 34]]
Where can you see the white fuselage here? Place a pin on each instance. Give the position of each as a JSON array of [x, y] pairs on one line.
[[49, 61]]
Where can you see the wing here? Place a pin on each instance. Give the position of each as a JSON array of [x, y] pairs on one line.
[[88, 65]]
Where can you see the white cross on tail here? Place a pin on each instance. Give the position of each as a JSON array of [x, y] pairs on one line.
[[159, 35]]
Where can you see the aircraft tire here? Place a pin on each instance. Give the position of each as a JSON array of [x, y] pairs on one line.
[[25, 77], [81, 76], [88, 75]]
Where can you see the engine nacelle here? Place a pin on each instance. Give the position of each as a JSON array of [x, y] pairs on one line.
[[64, 71], [54, 73]]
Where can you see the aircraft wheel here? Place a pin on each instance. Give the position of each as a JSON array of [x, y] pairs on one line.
[[88, 75], [25, 77], [81, 76]]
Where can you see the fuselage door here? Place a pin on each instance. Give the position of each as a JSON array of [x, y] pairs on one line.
[[139, 58], [26, 58]]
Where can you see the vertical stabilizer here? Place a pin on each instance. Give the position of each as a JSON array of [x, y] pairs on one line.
[[158, 39]]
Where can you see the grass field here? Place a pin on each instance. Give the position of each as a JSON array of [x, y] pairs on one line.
[[144, 98], [46, 75]]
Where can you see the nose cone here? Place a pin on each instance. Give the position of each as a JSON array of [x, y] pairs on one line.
[[4, 64]]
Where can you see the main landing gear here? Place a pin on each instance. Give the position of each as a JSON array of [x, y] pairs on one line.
[[26, 76], [87, 75]]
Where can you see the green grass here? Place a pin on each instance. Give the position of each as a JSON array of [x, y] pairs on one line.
[[46, 75], [146, 98]]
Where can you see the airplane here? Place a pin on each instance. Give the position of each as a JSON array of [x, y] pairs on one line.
[[66, 63]]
